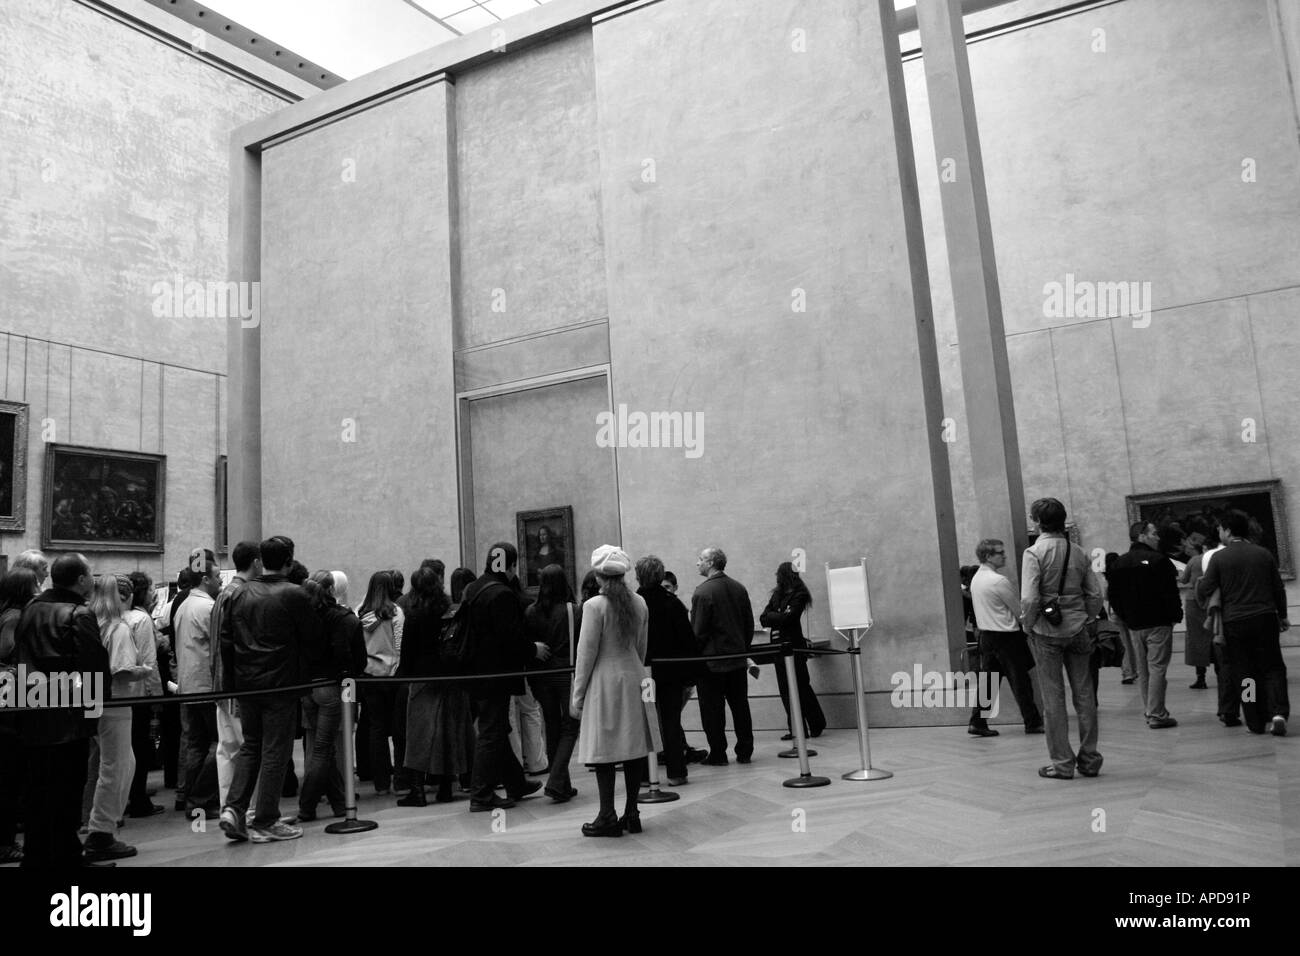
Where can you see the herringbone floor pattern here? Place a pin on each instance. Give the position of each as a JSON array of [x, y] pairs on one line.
[[1195, 795]]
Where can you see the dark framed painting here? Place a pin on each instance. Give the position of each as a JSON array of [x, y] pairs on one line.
[[13, 466], [544, 537], [97, 499], [1180, 513], [221, 518]]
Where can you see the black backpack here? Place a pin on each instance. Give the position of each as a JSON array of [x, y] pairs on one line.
[[455, 648]]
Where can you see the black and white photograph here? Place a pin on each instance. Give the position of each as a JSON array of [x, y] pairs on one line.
[[645, 434]]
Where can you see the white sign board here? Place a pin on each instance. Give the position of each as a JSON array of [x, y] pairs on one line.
[[850, 599]]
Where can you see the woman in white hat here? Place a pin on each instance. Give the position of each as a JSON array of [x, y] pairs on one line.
[[607, 690]]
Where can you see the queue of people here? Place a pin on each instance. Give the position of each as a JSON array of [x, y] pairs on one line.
[[292, 638]]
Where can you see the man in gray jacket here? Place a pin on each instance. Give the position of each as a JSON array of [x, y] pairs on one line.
[[723, 620]]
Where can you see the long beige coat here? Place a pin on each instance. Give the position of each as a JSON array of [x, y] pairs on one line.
[[607, 686]]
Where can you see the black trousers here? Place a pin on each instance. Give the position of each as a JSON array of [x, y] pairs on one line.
[[1006, 654], [200, 763], [668, 701], [813, 718], [169, 745], [494, 759], [1229, 696], [56, 777], [11, 785], [729, 688], [379, 703], [1254, 652], [142, 748]]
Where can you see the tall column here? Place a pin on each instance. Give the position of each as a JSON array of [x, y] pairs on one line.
[[981, 339], [244, 352]]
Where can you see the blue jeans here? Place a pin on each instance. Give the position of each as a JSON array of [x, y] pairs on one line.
[[323, 713], [268, 746], [1074, 655]]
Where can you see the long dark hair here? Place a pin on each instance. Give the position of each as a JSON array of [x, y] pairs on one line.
[[590, 586], [18, 587], [427, 595], [379, 596], [552, 589], [461, 578], [788, 583], [141, 590]]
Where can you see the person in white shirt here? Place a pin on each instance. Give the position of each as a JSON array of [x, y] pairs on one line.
[[193, 624], [997, 615]]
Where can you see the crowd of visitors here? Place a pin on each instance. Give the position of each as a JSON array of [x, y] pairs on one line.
[[286, 641], [607, 673]]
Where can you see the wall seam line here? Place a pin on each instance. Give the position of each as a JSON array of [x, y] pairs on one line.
[[1060, 419], [1123, 410], [1259, 388]]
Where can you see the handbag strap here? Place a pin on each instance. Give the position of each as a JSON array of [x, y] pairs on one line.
[[572, 643], [1060, 586]]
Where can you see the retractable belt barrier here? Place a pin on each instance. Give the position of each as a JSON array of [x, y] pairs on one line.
[[350, 824]]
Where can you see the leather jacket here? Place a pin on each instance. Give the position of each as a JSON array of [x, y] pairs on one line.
[[58, 633], [263, 630]]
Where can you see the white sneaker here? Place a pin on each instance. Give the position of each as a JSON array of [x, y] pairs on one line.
[[274, 833], [1279, 727]]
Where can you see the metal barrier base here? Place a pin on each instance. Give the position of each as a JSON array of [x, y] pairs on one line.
[[807, 780], [872, 774], [793, 753], [352, 826], [657, 796]]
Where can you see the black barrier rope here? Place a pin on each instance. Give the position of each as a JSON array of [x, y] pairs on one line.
[[213, 696]]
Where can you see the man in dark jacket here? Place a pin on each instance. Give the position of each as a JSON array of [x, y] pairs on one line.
[[1254, 613], [1144, 593], [724, 624], [499, 644], [266, 623], [669, 635], [58, 636]]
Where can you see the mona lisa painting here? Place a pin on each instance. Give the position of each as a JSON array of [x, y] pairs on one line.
[[545, 537]]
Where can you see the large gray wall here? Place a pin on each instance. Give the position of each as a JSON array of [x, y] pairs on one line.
[[114, 178], [772, 172]]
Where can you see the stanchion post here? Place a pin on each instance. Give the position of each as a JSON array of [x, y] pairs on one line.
[[864, 735], [805, 778], [350, 823], [793, 751], [655, 795]]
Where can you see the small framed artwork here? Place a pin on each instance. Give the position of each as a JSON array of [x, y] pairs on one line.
[[545, 537], [13, 466], [1178, 514], [97, 499]]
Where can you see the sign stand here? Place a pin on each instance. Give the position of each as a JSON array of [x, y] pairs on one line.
[[850, 601]]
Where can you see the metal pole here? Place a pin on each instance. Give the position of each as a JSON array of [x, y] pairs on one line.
[[655, 795], [350, 823], [805, 778], [794, 751], [864, 740]]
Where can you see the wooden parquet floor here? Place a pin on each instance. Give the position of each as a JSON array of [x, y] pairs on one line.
[[1195, 795]]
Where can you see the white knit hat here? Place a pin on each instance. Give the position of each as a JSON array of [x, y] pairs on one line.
[[610, 560]]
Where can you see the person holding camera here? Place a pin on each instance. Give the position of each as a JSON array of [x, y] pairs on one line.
[[1059, 597]]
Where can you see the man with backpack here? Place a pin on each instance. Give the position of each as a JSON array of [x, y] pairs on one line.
[[496, 642]]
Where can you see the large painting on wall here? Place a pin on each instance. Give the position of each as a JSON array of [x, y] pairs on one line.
[[13, 466], [1180, 513], [544, 537], [97, 499]]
